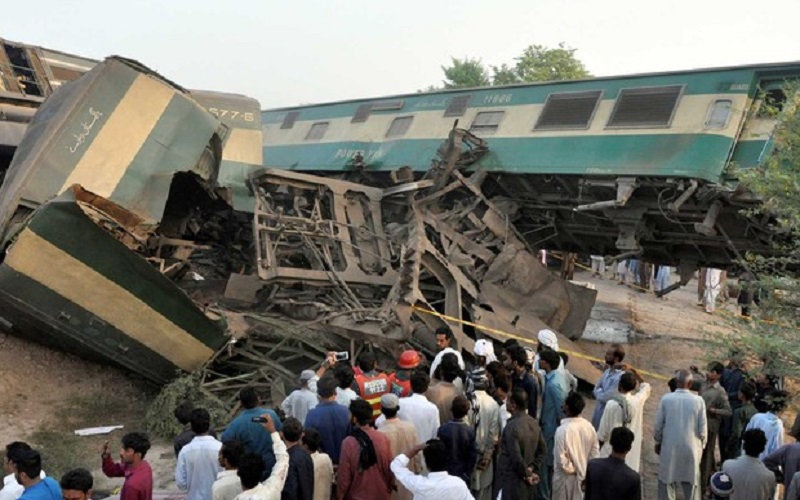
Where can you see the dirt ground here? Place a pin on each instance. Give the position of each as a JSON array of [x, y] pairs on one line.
[[44, 394]]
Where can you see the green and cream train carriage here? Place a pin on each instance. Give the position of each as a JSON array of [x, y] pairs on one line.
[[632, 165]]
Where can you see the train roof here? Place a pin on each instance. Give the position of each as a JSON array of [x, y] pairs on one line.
[[780, 69]]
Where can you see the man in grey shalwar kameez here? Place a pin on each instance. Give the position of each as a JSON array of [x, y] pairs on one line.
[[522, 452], [680, 432]]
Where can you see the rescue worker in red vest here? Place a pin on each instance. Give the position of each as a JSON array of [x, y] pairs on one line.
[[401, 379], [370, 383]]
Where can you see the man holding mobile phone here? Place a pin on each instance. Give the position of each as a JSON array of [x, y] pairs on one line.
[[251, 434]]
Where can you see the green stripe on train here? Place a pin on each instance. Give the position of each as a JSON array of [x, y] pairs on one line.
[[711, 82], [682, 155], [187, 129], [31, 306], [63, 224]]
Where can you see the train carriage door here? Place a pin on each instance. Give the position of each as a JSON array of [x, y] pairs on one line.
[[756, 140]]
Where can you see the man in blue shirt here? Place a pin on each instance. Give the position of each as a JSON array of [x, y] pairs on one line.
[[252, 435], [555, 393], [606, 386], [331, 419], [28, 464]]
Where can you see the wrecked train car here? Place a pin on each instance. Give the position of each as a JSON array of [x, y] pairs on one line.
[[112, 169], [631, 166], [139, 230]]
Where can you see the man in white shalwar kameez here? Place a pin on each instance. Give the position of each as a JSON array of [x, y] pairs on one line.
[[635, 391], [713, 287], [575, 444], [680, 434]]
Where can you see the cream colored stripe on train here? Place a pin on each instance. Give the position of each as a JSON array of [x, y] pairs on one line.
[[47, 264], [243, 146], [112, 151]]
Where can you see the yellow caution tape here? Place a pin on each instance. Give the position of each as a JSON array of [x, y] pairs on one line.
[[522, 339]]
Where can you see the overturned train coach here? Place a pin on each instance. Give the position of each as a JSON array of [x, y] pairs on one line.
[[140, 228], [106, 161], [632, 166]]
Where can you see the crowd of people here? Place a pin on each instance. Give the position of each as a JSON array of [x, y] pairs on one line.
[[508, 426]]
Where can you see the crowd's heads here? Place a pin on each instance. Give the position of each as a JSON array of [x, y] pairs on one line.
[[747, 391], [683, 379], [517, 356], [134, 447], [292, 430], [777, 400], [502, 385], [621, 440], [547, 339], [12, 449], [721, 485], [517, 401], [420, 382], [248, 397], [28, 465], [312, 439], [326, 387], [448, 368], [361, 412], [615, 354], [251, 468], [714, 373], [367, 361], [460, 407], [409, 359], [574, 404], [436, 455], [627, 382], [444, 337], [549, 360], [345, 375], [305, 376], [200, 421], [183, 412], [77, 485], [230, 454], [754, 441], [390, 405]]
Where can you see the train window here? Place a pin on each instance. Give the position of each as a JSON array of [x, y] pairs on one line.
[[645, 107], [457, 105], [772, 101], [487, 122], [362, 113], [289, 119], [387, 105], [399, 126], [568, 110], [316, 131], [718, 114]]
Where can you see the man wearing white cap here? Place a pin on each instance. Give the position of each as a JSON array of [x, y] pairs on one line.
[[300, 401]]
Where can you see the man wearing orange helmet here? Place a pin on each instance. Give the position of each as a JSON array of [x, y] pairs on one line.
[[401, 379]]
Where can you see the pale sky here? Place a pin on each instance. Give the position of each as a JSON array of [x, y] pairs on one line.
[[310, 51]]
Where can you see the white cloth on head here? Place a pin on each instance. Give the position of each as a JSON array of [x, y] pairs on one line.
[[485, 348], [548, 338], [440, 355]]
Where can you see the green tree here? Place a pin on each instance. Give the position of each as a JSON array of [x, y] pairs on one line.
[[537, 63], [770, 337], [467, 72]]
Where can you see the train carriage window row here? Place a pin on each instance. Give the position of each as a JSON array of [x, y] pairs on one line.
[[487, 122], [399, 126], [317, 131], [568, 110], [645, 107]]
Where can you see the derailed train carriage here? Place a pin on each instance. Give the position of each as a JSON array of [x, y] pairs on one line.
[[632, 166], [139, 228]]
